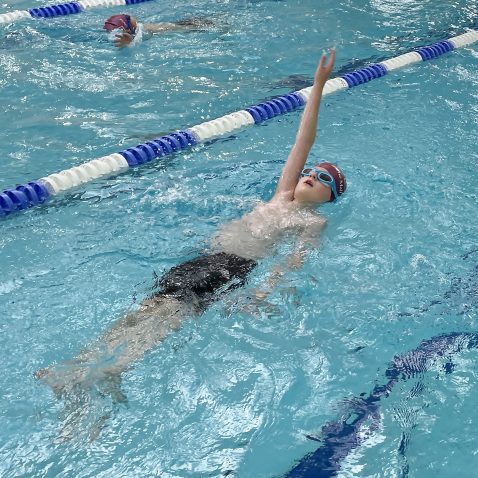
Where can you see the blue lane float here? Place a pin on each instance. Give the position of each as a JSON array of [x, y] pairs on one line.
[[275, 107], [35, 192], [365, 75], [62, 9], [168, 144], [435, 50], [23, 197], [55, 10]]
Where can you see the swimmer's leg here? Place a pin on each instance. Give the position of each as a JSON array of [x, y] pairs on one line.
[[126, 341]]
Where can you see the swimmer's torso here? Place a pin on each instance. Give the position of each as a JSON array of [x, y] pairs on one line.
[[254, 234]]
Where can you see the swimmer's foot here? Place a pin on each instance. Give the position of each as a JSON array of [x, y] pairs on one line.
[[72, 379], [62, 379], [39, 374], [82, 387]]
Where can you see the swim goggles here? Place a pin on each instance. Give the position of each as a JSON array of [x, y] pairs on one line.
[[129, 25], [324, 177]]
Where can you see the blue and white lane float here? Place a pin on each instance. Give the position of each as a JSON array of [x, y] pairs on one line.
[[36, 192], [62, 9]]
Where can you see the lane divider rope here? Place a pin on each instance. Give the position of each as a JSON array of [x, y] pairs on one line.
[[36, 192], [62, 9]]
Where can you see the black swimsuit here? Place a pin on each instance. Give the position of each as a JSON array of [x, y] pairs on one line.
[[198, 281]]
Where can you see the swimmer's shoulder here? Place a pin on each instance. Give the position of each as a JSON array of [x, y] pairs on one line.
[[159, 27]]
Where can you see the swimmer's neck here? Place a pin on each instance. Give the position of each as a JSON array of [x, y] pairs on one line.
[[280, 201]]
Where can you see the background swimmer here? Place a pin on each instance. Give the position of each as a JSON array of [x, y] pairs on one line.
[[128, 30]]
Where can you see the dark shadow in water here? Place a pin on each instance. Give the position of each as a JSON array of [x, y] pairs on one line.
[[397, 46]]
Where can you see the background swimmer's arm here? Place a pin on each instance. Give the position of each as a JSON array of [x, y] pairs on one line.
[[307, 130], [161, 27], [182, 25]]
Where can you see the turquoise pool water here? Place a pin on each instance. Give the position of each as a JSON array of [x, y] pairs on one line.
[[237, 391]]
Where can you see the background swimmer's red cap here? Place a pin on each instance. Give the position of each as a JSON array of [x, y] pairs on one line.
[[116, 21], [339, 177]]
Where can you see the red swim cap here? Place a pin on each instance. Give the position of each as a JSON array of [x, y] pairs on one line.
[[339, 178], [117, 21]]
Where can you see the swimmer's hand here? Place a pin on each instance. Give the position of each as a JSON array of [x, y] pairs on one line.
[[256, 304], [123, 39], [324, 69]]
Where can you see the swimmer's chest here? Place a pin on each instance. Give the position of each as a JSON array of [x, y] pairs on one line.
[[267, 221]]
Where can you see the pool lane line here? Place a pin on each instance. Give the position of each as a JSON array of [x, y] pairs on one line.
[[62, 9], [27, 195], [342, 436]]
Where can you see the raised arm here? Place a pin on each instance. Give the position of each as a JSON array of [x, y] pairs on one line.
[[307, 129]]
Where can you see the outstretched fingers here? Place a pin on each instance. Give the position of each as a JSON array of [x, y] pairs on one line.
[[330, 63], [325, 67]]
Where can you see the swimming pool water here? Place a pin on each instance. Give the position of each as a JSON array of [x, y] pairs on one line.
[[237, 391]]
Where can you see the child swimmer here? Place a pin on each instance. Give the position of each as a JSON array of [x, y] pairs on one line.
[[189, 288]]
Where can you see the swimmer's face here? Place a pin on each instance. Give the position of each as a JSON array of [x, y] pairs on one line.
[[311, 190]]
